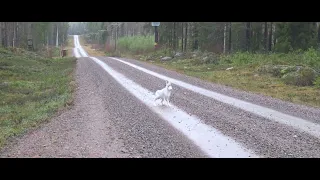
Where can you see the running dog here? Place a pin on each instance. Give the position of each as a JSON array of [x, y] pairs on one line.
[[164, 94]]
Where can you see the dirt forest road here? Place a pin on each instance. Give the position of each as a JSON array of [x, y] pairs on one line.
[[114, 116]]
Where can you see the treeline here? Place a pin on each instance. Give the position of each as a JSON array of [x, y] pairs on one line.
[[109, 32], [16, 34], [239, 36], [219, 37], [77, 28]]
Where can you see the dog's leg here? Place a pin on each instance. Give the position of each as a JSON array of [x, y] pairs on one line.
[[162, 101], [155, 99], [168, 101]]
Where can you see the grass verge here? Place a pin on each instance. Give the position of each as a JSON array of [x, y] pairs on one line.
[[32, 89], [245, 78]]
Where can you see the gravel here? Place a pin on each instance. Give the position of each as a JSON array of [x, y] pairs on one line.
[[302, 111], [106, 121], [265, 137]]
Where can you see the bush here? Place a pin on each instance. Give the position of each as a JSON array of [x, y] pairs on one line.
[[275, 71], [317, 82], [210, 58], [288, 69], [303, 77], [312, 58]]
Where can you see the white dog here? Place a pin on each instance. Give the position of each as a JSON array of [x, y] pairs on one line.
[[164, 94]]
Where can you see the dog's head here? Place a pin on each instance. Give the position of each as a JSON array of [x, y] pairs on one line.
[[168, 85]]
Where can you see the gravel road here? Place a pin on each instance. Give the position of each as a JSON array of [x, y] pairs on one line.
[[109, 121]]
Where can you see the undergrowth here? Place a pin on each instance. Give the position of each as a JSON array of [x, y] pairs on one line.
[[32, 89]]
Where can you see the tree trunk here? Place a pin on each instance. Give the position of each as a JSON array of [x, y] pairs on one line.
[[182, 37], [1, 36], [174, 35], [9, 34], [265, 36], [224, 37], [248, 38], [270, 37], [57, 37], [274, 36], [318, 32], [170, 37], [230, 37], [195, 30], [14, 34], [5, 34], [53, 35], [17, 34], [186, 39]]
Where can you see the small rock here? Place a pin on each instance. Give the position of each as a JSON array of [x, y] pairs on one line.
[[229, 68], [209, 68], [256, 75], [205, 58], [5, 84], [295, 136], [124, 151], [178, 54], [166, 58], [290, 154]]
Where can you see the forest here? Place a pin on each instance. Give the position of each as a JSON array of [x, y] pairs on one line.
[[42, 35], [279, 59]]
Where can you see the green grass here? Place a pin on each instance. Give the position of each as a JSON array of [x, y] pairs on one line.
[[32, 89], [136, 44], [69, 46], [309, 58], [245, 79]]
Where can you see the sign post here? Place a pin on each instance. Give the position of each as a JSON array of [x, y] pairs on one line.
[[155, 25]]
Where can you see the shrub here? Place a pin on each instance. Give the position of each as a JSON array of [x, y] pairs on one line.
[[317, 82], [136, 44], [303, 77]]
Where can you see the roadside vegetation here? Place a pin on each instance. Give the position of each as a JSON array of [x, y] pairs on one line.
[[280, 60], [36, 81], [291, 77], [32, 89], [69, 46]]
